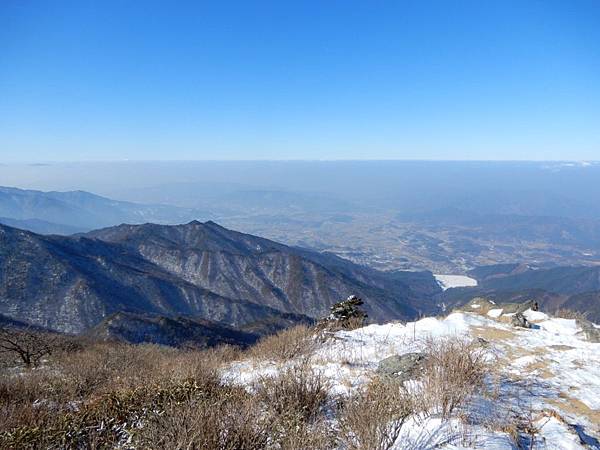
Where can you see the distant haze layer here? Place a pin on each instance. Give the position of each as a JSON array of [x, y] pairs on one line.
[[567, 189]]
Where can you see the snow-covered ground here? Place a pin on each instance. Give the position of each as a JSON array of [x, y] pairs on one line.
[[549, 375], [452, 281]]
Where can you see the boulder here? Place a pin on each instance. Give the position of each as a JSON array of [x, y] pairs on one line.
[[405, 367], [590, 332], [509, 308], [478, 305], [519, 320]]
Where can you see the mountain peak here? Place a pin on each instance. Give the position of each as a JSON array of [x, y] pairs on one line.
[[208, 223], [195, 269]]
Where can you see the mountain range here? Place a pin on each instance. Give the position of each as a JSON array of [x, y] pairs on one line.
[[482, 228], [575, 288], [63, 276], [171, 331], [197, 271], [76, 211]]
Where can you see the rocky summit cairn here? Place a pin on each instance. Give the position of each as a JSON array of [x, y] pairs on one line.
[[346, 314]]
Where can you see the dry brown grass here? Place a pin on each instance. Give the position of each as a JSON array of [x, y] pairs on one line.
[[373, 418], [493, 334], [575, 406], [285, 345], [227, 418], [69, 402], [295, 401], [454, 371], [296, 393], [106, 394], [541, 369], [285, 412]]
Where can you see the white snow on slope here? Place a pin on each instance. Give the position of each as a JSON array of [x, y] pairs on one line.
[[452, 281], [549, 368], [495, 313]]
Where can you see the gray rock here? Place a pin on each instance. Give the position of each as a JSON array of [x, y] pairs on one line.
[[519, 308], [519, 320], [591, 333], [405, 367], [483, 342], [479, 305]]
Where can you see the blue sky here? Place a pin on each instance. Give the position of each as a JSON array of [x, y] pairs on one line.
[[144, 80]]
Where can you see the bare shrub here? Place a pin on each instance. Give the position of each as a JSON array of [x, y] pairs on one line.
[[299, 435], [30, 399], [373, 418], [294, 401], [107, 420], [297, 393], [454, 370], [230, 418], [104, 367], [201, 366], [103, 383], [285, 345], [108, 394], [227, 419]]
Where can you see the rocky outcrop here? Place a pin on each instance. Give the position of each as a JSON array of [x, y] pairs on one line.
[[518, 308], [590, 331], [520, 321]]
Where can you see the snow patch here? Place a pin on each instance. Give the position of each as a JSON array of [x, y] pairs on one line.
[[454, 281], [495, 313], [556, 370], [534, 316]]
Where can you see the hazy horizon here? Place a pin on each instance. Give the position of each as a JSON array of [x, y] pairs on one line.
[[42, 162]]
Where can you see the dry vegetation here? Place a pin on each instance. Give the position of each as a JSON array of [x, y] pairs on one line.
[[104, 395], [373, 418], [454, 371], [107, 395], [97, 396], [285, 345], [30, 346]]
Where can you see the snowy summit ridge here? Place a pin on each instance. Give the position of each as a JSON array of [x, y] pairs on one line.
[[547, 376]]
